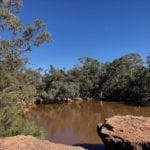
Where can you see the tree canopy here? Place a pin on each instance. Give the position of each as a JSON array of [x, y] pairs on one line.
[[17, 83], [124, 79]]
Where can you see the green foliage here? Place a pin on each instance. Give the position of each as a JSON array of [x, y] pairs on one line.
[[148, 61], [11, 124], [59, 85], [14, 77], [17, 83], [125, 79]]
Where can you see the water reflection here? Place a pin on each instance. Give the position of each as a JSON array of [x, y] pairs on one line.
[[76, 123]]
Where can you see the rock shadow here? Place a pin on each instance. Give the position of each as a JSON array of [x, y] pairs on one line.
[[91, 146]]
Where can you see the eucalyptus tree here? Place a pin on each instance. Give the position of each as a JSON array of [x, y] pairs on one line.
[[58, 85], [148, 61], [16, 82], [19, 39], [89, 76], [119, 73]]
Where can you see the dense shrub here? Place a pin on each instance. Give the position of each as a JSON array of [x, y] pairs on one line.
[[11, 124]]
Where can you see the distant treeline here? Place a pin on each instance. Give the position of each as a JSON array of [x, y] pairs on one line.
[[124, 79]]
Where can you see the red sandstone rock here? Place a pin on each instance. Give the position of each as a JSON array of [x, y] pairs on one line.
[[22, 142], [125, 133]]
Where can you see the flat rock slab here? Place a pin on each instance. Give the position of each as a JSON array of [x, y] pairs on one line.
[[125, 133], [22, 142]]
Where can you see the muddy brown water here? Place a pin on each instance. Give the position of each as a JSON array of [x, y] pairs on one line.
[[76, 123]]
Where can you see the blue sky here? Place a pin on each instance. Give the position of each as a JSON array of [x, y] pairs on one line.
[[102, 29]]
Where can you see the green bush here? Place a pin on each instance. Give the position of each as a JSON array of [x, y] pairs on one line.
[[12, 123]]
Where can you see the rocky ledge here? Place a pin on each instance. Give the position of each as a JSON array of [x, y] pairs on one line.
[[125, 133], [22, 142]]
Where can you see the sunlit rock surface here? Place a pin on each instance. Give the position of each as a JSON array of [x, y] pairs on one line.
[[125, 133], [22, 142]]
